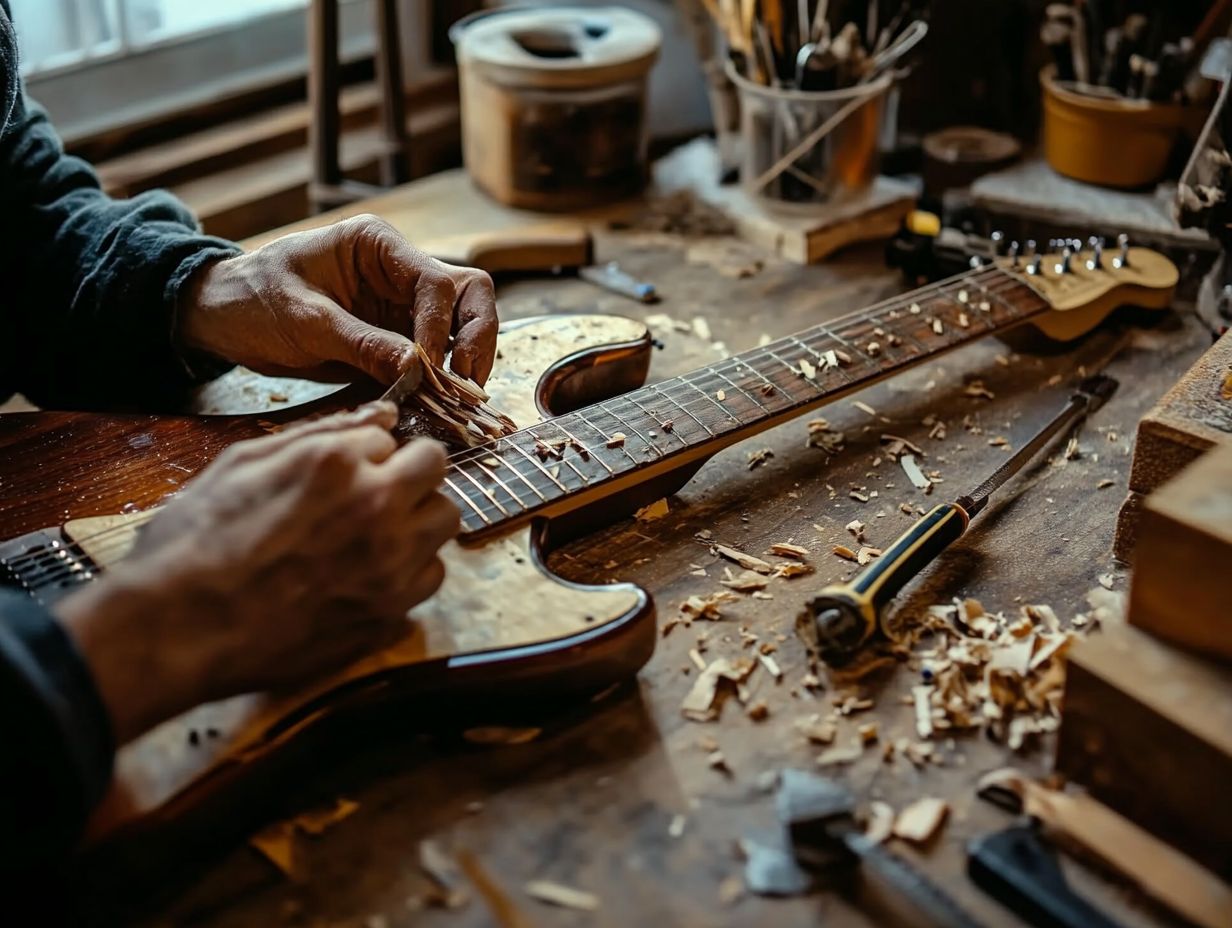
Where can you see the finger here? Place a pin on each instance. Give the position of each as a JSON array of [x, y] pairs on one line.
[[387, 264], [435, 522], [475, 318], [333, 456], [434, 301], [381, 354], [417, 469]]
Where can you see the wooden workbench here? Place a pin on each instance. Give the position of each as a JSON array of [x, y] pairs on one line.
[[589, 803]]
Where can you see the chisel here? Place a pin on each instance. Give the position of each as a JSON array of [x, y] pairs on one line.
[[848, 615]]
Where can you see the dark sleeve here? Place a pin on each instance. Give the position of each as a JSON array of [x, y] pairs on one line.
[[57, 751], [90, 284]]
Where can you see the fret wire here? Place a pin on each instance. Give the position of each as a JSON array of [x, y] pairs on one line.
[[775, 389], [727, 412], [482, 489], [878, 313], [605, 435], [470, 502], [494, 476], [735, 386], [632, 398], [709, 431], [590, 451], [517, 470], [629, 425], [535, 462]]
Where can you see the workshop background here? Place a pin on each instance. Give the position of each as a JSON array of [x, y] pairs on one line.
[[1037, 730]]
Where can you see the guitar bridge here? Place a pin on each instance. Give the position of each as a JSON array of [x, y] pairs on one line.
[[44, 565]]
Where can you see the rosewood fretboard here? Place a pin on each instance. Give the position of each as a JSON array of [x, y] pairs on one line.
[[560, 463]]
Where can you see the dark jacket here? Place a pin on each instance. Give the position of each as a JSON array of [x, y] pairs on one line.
[[88, 292]]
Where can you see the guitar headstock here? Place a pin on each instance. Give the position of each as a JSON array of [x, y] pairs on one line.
[[1084, 281]]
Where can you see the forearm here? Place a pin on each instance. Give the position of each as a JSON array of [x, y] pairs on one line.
[[57, 738], [92, 284]]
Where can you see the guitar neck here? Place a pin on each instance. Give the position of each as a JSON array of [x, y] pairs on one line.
[[592, 452]]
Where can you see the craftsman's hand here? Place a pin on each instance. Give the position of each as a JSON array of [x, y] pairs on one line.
[[288, 556], [322, 303]]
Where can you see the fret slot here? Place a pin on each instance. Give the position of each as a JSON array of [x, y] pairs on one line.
[[710, 398], [647, 442], [654, 417], [684, 409], [592, 452], [492, 475]]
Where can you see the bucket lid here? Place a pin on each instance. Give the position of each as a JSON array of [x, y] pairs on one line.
[[560, 46]]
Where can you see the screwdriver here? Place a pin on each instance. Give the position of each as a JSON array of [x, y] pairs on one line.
[[848, 615]]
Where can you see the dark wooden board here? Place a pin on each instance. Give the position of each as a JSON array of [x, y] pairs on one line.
[[589, 804]]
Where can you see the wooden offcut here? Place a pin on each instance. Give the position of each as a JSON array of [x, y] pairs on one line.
[[803, 238], [1180, 588], [1191, 418], [1147, 729]]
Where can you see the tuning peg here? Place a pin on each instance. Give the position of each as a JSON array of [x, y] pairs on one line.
[[1122, 259], [1014, 255], [1030, 247], [1067, 255], [997, 238], [1096, 263], [1035, 267]]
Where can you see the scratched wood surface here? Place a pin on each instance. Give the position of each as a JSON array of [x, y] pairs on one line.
[[590, 802]]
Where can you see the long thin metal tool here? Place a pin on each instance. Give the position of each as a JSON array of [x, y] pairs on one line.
[[848, 615], [405, 385]]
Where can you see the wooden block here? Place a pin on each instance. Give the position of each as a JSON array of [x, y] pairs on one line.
[[1146, 727], [1128, 521], [1190, 419], [1181, 590], [803, 237]]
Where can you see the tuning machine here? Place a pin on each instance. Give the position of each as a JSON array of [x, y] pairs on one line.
[[1122, 258]]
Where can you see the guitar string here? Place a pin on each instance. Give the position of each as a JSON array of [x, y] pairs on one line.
[[731, 365], [866, 316], [878, 312], [842, 324]]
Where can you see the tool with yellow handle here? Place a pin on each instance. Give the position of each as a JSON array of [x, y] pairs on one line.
[[848, 615]]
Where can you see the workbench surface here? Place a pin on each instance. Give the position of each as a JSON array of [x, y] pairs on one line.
[[593, 801]]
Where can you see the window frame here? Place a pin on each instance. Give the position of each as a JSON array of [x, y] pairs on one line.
[[99, 92]]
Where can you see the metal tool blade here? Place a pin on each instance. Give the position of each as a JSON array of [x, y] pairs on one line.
[[405, 385], [1091, 394]]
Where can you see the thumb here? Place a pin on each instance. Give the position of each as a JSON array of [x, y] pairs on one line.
[[379, 353]]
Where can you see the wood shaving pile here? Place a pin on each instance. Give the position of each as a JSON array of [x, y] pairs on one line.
[[820, 435], [456, 406], [986, 670]]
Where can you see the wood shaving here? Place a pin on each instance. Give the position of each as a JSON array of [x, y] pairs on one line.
[[866, 555], [977, 389], [617, 440], [792, 570], [868, 732], [702, 704], [720, 395], [787, 549], [844, 552], [656, 510], [731, 890], [746, 581], [921, 820], [676, 827], [856, 528], [880, 824], [771, 665], [457, 406], [759, 457], [807, 370], [864, 408], [759, 711], [564, 896], [820, 435], [896, 445], [841, 753], [747, 561], [701, 328], [707, 607], [913, 472], [817, 730]]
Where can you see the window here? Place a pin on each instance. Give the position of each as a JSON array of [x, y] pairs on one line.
[[96, 64]]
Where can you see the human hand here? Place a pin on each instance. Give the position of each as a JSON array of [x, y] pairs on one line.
[[288, 556], [323, 303]]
